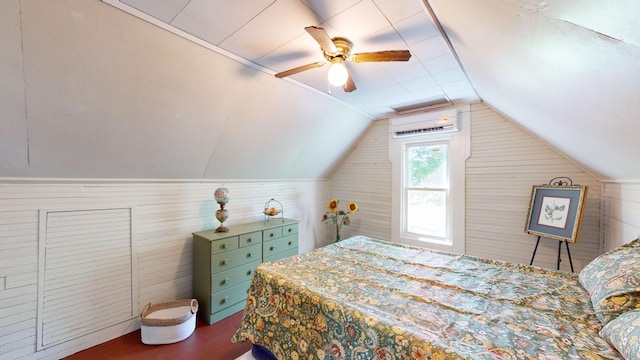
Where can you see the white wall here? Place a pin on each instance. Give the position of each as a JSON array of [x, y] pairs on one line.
[[365, 177], [89, 91], [621, 213], [167, 214], [505, 163]]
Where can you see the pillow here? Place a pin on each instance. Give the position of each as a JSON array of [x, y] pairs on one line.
[[623, 333], [613, 281]]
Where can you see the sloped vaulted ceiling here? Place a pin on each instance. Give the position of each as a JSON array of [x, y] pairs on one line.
[[568, 71], [90, 91]]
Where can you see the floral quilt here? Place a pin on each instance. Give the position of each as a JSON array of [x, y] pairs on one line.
[[364, 298]]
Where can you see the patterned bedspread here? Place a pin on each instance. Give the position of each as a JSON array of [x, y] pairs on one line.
[[364, 298]]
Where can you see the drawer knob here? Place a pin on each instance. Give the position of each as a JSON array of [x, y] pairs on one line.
[[248, 255], [224, 281], [225, 262], [289, 242], [249, 272], [224, 246], [271, 248], [271, 235], [289, 230], [224, 300], [249, 240]]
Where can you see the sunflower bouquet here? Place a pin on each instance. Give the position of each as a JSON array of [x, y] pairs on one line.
[[339, 217]]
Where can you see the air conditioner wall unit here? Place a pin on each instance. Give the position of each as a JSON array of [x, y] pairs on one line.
[[425, 123]]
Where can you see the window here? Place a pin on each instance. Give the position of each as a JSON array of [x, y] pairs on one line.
[[426, 192], [428, 187]]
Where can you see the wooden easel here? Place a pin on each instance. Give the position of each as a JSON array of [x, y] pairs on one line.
[[559, 250], [563, 184]]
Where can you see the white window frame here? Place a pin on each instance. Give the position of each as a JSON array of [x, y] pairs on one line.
[[458, 152], [404, 226]]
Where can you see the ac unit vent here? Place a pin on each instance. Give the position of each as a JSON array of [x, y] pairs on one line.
[[432, 105], [420, 131], [433, 122]]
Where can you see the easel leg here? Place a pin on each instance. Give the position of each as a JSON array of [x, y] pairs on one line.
[[569, 253], [534, 251], [559, 248]]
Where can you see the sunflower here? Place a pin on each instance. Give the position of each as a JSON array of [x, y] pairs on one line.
[[339, 217], [333, 205]]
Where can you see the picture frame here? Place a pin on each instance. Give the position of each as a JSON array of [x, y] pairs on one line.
[[556, 212]]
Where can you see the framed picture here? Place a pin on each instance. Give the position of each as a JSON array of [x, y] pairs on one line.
[[556, 211]]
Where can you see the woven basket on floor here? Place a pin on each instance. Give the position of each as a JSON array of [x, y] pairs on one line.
[[168, 322]]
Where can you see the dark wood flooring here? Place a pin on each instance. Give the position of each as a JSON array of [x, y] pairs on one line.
[[211, 342]]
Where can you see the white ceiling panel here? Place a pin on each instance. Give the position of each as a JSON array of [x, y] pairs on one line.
[[162, 10], [404, 72], [205, 31], [441, 63], [348, 26], [416, 28], [223, 20], [271, 34], [449, 76], [396, 11], [262, 34], [301, 50], [419, 83], [327, 9], [431, 48]]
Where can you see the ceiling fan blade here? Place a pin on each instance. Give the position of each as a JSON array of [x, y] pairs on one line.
[[349, 86], [300, 69], [389, 55], [322, 38]]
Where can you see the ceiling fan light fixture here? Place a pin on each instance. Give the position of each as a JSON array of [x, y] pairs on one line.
[[338, 74]]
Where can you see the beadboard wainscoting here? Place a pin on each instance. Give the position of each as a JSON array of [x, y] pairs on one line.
[[621, 213], [506, 161], [159, 216]]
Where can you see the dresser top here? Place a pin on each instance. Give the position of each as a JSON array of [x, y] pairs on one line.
[[239, 229]]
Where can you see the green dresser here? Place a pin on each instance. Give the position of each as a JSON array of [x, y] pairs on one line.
[[223, 263]]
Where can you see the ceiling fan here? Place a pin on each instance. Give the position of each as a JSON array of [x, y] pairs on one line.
[[337, 50]]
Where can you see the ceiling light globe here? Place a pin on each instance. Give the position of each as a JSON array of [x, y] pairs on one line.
[[338, 74]]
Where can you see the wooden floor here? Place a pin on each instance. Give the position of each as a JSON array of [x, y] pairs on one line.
[[211, 342]]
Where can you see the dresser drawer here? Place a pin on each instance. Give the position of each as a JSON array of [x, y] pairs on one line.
[[290, 229], [281, 255], [230, 259], [223, 245], [250, 239], [271, 234], [279, 245], [229, 297], [232, 277]]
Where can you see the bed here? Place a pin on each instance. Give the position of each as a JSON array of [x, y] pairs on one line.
[[364, 298]]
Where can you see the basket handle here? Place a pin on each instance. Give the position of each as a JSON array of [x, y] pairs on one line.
[[194, 306], [145, 309]]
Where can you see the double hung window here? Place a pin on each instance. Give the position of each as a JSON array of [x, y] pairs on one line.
[[425, 190], [428, 187]]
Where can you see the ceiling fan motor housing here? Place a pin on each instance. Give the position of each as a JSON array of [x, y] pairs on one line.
[[343, 50]]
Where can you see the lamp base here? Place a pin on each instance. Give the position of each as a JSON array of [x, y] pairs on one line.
[[222, 229]]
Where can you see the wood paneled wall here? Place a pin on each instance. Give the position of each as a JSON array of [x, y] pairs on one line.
[[506, 161], [621, 213], [365, 177], [166, 215]]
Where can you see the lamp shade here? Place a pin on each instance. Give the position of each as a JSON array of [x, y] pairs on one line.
[[221, 195], [338, 74]]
